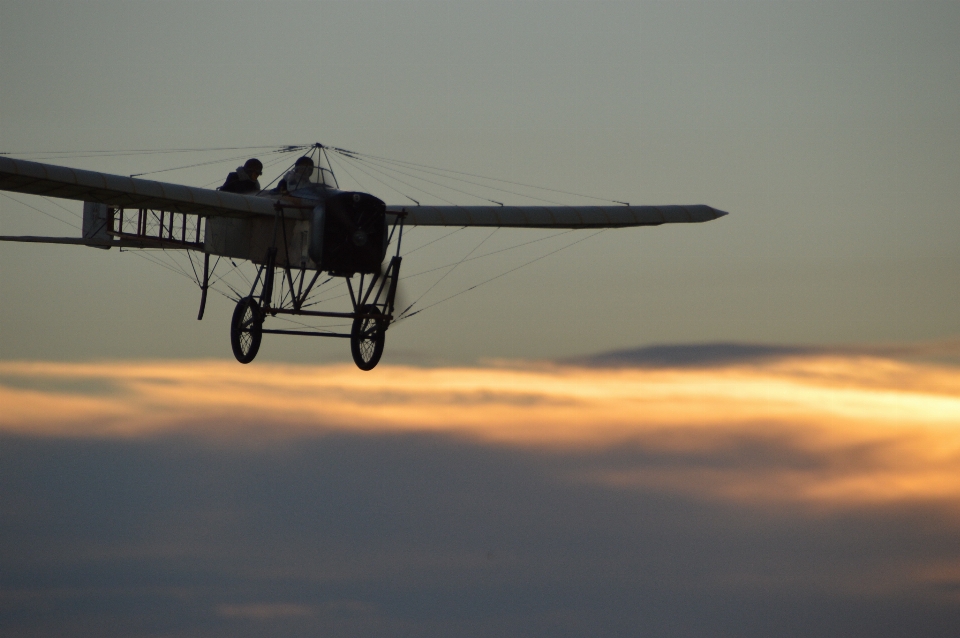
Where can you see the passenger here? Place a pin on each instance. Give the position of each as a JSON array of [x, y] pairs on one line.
[[244, 179], [299, 177]]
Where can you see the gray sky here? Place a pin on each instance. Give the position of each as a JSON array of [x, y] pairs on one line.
[[829, 130]]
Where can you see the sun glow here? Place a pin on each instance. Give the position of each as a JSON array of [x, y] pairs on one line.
[[854, 428]]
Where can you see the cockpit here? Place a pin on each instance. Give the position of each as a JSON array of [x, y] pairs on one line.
[[323, 176], [314, 172]]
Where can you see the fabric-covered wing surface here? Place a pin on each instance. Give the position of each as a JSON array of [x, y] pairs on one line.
[[555, 216], [34, 178]]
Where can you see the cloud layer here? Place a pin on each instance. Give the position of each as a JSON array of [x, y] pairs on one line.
[[806, 493]]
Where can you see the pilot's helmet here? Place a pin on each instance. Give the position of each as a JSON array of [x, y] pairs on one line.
[[253, 164], [304, 161]]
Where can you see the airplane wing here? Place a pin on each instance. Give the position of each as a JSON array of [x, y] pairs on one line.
[[35, 178], [555, 216]]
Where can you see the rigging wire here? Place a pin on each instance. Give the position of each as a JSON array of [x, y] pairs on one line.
[[60, 206], [62, 221], [233, 158], [128, 152], [453, 232], [360, 168], [371, 165], [474, 287], [266, 165], [386, 184], [493, 252], [236, 268], [351, 175], [466, 181], [475, 248], [166, 256], [492, 179], [458, 190], [279, 175], [152, 259]]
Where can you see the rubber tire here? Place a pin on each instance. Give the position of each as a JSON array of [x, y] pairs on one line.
[[247, 310], [365, 358]]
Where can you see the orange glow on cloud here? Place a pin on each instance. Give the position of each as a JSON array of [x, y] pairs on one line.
[[879, 429]]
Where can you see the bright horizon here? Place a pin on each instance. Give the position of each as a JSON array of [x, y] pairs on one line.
[[822, 404]]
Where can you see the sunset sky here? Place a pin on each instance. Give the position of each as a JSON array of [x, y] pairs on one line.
[[749, 427], [805, 494]]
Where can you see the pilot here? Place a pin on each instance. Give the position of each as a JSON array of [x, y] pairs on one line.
[[244, 179], [297, 178]]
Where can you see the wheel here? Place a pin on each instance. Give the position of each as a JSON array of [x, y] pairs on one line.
[[245, 330], [367, 337]]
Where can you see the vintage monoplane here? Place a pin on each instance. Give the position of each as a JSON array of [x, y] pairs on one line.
[[297, 234]]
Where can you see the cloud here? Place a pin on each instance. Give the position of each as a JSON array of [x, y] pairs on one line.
[[265, 611], [721, 354], [797, 494], [693, 355], [857, 428]]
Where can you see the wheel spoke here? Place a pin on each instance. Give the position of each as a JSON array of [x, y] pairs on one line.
[[245, 330], [367, 337]]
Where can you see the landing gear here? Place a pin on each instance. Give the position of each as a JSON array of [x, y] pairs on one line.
[[372, 296], [246, 329], [367, 337]]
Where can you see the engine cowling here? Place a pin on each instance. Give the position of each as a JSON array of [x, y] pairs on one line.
[[349, 234]]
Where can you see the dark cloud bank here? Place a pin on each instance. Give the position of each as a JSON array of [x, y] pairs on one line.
[[698, 355], [416, 535]]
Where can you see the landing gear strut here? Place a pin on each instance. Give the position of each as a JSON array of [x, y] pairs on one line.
[[372, 300]]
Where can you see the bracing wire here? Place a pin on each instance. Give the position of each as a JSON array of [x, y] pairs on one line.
[[78, 154], [503, 274], [42, 212], [408, 184], [153, 259], [279, 175], [481, 185], [492, 179], [452, 232], [179, 168], [350, 175], [466, 181], [491, 253], [371, 165], [475, 248], [374, 177], [60, 206], [233, 158], [268, 164], [166, 256]]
